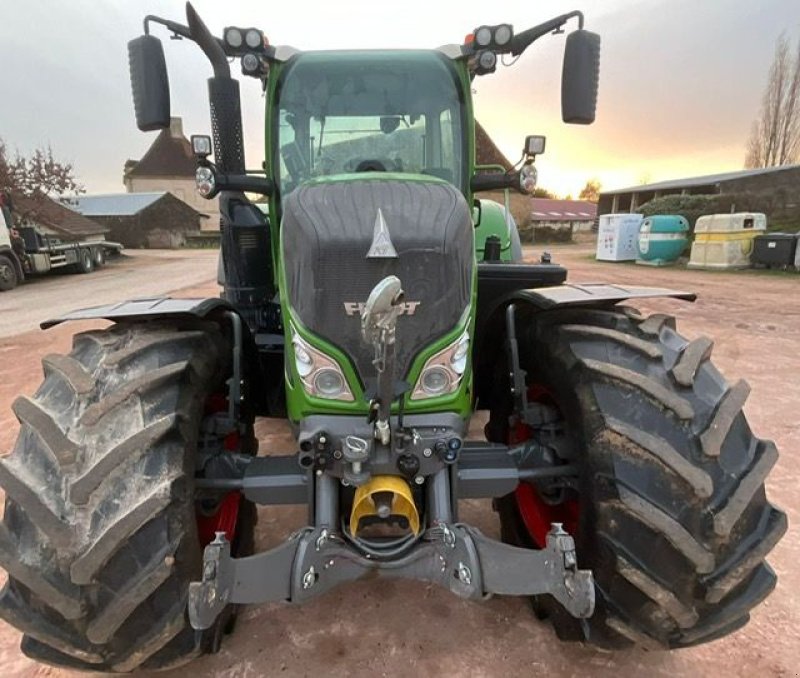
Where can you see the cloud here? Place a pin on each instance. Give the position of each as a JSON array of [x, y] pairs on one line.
[[680, 80]]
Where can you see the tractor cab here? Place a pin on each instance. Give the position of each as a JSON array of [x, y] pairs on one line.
[[340, 113]]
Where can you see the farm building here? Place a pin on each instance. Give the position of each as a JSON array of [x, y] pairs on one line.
[[558, 219], [169, 165], [150, 220], [781, 182], [56, 220]]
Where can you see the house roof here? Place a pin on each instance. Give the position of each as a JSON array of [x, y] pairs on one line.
[[701, 181], [544, 209], [486, 151], [114, 204], [170, 155], [56, 216]]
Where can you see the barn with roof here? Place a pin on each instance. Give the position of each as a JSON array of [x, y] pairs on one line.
[[169, 166], [141, 220], [54, 219], [782, 182]]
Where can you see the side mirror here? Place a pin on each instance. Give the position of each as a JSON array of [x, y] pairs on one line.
[[579, 77], [534, 145], [149, 83]]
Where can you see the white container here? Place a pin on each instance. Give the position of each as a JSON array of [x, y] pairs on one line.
[[617, 235], [725, 241]]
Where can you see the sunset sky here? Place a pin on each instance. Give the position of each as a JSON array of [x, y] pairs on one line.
[[680, 85]]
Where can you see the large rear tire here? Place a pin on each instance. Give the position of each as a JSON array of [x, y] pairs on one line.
[[100, 536], [674, 521]]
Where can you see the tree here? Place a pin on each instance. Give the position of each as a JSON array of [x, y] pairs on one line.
[[40, 173], [775, 135], [540, 192], [591, 191]]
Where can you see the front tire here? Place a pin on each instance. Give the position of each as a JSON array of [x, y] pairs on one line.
[[674, 521], [99, 536]]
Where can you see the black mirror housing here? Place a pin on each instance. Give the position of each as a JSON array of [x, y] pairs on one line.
[[580, 77], [149, 83]]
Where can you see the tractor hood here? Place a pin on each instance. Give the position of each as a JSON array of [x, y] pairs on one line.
[[340, 237]]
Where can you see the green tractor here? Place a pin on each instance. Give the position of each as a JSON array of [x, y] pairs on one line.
[[628, 484]]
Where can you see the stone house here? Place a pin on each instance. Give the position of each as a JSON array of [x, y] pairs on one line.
[[169, 165]]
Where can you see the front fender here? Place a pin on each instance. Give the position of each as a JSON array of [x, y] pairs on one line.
[[592, 294], [490, 332], [147, 309]]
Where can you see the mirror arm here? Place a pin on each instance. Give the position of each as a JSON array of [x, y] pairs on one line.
[[198, 34], [245, 183], [176, 28], [494, 181], [521, 41]]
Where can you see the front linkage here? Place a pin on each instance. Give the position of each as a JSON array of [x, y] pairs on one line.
[[453, 555], [445, 552]]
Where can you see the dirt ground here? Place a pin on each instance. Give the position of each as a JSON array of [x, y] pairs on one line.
[[401, 628]]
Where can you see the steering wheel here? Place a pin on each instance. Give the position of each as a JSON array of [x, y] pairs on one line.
[[370, 166]]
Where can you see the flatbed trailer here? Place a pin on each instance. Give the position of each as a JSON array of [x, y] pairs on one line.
[[36, 253]]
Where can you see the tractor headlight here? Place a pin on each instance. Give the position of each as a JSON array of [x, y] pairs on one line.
[[443, 372], [320, 375], [254, 38], [483, 36], [234, 37], [503, 34], [527, 179], [205, 182]]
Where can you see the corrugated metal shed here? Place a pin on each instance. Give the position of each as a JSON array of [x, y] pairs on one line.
[[114, 204], [706, 180]]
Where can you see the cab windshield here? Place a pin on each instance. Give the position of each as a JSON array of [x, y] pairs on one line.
[[343, 112]]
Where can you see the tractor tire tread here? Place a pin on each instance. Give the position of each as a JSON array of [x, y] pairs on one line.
[[678, 524], [98, 535]]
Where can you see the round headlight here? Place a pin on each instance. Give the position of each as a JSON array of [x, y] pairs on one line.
[[233, 37], [253, 38], [483, 36], [250, 63], [502, 35], [487, 60], [435, 380], [328, 383], [204, 180], [527, 179]]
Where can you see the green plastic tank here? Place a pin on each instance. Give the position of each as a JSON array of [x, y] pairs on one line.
[[662, 239]]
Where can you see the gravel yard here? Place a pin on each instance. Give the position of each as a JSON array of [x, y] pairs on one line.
[[401, 628]]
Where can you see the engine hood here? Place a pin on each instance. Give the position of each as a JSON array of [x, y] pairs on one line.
[[341, 237]]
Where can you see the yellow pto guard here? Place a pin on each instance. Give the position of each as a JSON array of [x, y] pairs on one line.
[[384, 496]]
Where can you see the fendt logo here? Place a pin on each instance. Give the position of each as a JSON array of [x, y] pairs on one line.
[[355, 308]]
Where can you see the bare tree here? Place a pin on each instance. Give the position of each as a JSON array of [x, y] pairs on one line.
[[38, 174], [775, 136]]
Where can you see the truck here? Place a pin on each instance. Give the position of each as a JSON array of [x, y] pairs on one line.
[[627, 484], [26, 251]]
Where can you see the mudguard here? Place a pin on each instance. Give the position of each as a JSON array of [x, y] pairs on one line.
[[589, 294], [146, 309]]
